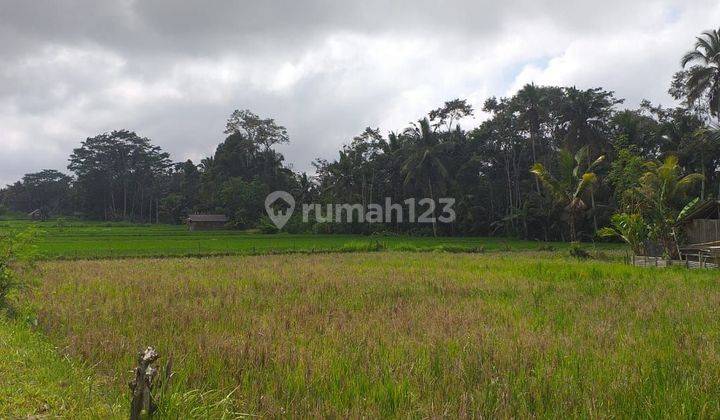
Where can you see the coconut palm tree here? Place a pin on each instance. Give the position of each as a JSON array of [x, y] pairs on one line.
[[585, 114], [703, 76], [570, 186], [424, 165]]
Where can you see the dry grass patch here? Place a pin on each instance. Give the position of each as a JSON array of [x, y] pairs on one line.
[[398, 334]]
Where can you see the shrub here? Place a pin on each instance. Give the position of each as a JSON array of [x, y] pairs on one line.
[[458, 249], [359, 246], [406, 246], [544, 246], [631, 228], [576, 251], [17, 253], [267, 226]]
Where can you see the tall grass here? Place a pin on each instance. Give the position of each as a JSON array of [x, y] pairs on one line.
[[38, 383], [397, 334]]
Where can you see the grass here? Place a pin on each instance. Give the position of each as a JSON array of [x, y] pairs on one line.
[[87, 240], [396, 334], [36, 381]]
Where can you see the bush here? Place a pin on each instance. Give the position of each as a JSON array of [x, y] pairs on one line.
[[459, 249], [405, 246], [17, 253], [267, 226], [576, 251], [544, 246], [358, 246]]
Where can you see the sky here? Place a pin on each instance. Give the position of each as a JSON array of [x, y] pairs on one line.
[[173, 71]]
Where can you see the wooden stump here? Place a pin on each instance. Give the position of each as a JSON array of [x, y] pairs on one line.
[[141, 385]]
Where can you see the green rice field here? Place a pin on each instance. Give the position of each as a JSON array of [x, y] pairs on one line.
[[116, 240]]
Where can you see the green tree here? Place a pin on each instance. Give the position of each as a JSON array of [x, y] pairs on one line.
[[703, 77], [119, 175], [572, 183], [452, 112], [665, 191], [425, 165]]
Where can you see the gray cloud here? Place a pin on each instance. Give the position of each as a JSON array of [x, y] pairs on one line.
[[173, 71]]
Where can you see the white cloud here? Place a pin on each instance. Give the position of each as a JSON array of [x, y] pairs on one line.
[[325, 70]]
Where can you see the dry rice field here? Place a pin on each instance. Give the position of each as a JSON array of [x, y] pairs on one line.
[[395, 334]]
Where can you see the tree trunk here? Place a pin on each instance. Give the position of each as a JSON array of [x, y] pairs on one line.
[[432, 197], [592, 204], [573, 233], [702, 181], [534, 157], [124, 200]]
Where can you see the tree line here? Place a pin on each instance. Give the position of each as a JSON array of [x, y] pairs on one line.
[[549, 163]]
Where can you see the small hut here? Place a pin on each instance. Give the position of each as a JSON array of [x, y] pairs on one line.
[[699, 233], [36, 214], [206, 221], [701, 225]]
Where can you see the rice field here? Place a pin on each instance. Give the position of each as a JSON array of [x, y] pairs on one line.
[[394, 334], [97, 240]]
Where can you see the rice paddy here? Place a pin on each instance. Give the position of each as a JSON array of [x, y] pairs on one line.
[[393, 334]]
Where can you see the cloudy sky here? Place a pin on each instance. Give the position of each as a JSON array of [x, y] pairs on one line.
[[174, 70]]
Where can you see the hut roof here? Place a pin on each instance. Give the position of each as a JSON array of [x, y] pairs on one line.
[[219, 218], [708, 210]]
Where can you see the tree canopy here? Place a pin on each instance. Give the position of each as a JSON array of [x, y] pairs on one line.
[[548, 162]]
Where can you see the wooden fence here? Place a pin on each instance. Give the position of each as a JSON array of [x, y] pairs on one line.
[[644, 261]]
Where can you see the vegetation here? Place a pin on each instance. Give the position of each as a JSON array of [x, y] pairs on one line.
[[570, 188], [82, 240], [396, 334], [549, 331], [40, 383], [631, 228], [121, 176], [17, 253]]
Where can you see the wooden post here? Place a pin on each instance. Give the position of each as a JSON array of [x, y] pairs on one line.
[[141, 385]]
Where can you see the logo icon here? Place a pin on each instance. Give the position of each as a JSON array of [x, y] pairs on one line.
[[279, 216]]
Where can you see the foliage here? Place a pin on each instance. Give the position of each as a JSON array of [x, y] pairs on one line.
[[18, 252], [631, 228], [571, 185], [624, 176], [117, 174], [658, 200], [577, 251], [703, 78], [123, 176], [48, 191]]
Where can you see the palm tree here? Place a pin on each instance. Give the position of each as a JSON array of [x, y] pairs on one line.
[[663, 186], [533, 105], [703, 78], [584, 114], [424, 165], [664, 190], [571, 185]]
